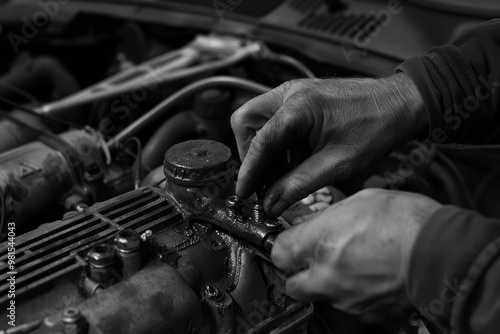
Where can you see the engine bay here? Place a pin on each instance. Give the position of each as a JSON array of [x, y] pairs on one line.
[[118, 162]]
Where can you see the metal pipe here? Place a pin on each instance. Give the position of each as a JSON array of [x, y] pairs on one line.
[[161, 109]]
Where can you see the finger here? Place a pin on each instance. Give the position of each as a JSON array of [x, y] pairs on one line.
[[252, 116], [326, 167], [316, 283], [275, 137], [304, 245]]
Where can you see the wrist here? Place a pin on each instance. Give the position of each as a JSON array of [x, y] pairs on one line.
[[407, 106]]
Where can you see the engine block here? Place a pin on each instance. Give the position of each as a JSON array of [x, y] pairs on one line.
[[156, 260]]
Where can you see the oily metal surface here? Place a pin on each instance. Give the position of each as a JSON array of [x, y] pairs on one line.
[[196, 162]]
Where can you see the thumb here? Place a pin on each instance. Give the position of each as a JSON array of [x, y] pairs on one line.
[[319, 170]]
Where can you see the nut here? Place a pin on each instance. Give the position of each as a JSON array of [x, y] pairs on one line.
[[212, 292], [101, 255], [73, 321], [128, 241], [71, 315], [235, 205]]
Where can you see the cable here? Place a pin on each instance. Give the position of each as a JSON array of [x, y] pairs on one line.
[[138, 160], [468, 147], [3, 206], [165, 106], [292, 62], [87, 96]]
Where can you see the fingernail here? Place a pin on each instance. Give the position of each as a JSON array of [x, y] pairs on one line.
[[278, 208]]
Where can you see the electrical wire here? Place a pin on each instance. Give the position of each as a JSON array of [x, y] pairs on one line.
[[161, 109], [292, 62], [163, 78], [3, 206], [138, 160], [468, 147]]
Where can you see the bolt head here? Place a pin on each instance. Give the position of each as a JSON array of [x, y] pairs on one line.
[[212, 292], [101, 255], [128, 240], [234, 202], [71, 315], [257, 205]]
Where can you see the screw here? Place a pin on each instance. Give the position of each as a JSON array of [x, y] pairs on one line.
[[235, 206], [258, 213], [212, 292], [127, 241]]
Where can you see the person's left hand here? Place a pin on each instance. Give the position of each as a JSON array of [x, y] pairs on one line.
[[356, 254]]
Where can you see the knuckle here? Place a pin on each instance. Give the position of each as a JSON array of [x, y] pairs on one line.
[[237, 118], [369, 192]]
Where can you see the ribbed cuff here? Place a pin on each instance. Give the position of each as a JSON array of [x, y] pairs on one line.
[[451, 249]]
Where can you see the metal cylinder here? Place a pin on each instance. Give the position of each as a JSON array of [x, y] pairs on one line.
[[37, 175], [200, 168], [128, 247], [101, 260], [258, 213], [235, 205]]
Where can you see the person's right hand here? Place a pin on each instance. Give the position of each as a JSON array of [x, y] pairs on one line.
[[341, 126]]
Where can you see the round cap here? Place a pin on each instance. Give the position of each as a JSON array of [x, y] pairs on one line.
[[196, 163]]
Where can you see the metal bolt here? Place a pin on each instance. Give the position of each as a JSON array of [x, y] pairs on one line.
[[73, 321], [212, 292], [101, 256], [128, 245], [148, 234], [127, 241], [101, 259], [71, 315], [258, 213], [235, 206]]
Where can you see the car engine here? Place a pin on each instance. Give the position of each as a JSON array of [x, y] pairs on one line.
[[118, 163]]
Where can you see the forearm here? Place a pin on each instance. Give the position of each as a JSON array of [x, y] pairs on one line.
[[454, 272], [460, 85]]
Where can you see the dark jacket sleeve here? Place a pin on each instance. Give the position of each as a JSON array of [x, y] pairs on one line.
[[460, 85], [454, 276]]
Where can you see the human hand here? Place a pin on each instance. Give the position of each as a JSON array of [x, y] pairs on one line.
[[340, 125], [356, 254]]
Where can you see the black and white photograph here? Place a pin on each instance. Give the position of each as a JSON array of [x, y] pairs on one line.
[[249, 166]]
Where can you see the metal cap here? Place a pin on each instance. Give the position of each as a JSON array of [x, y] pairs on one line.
[[196, 163]]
